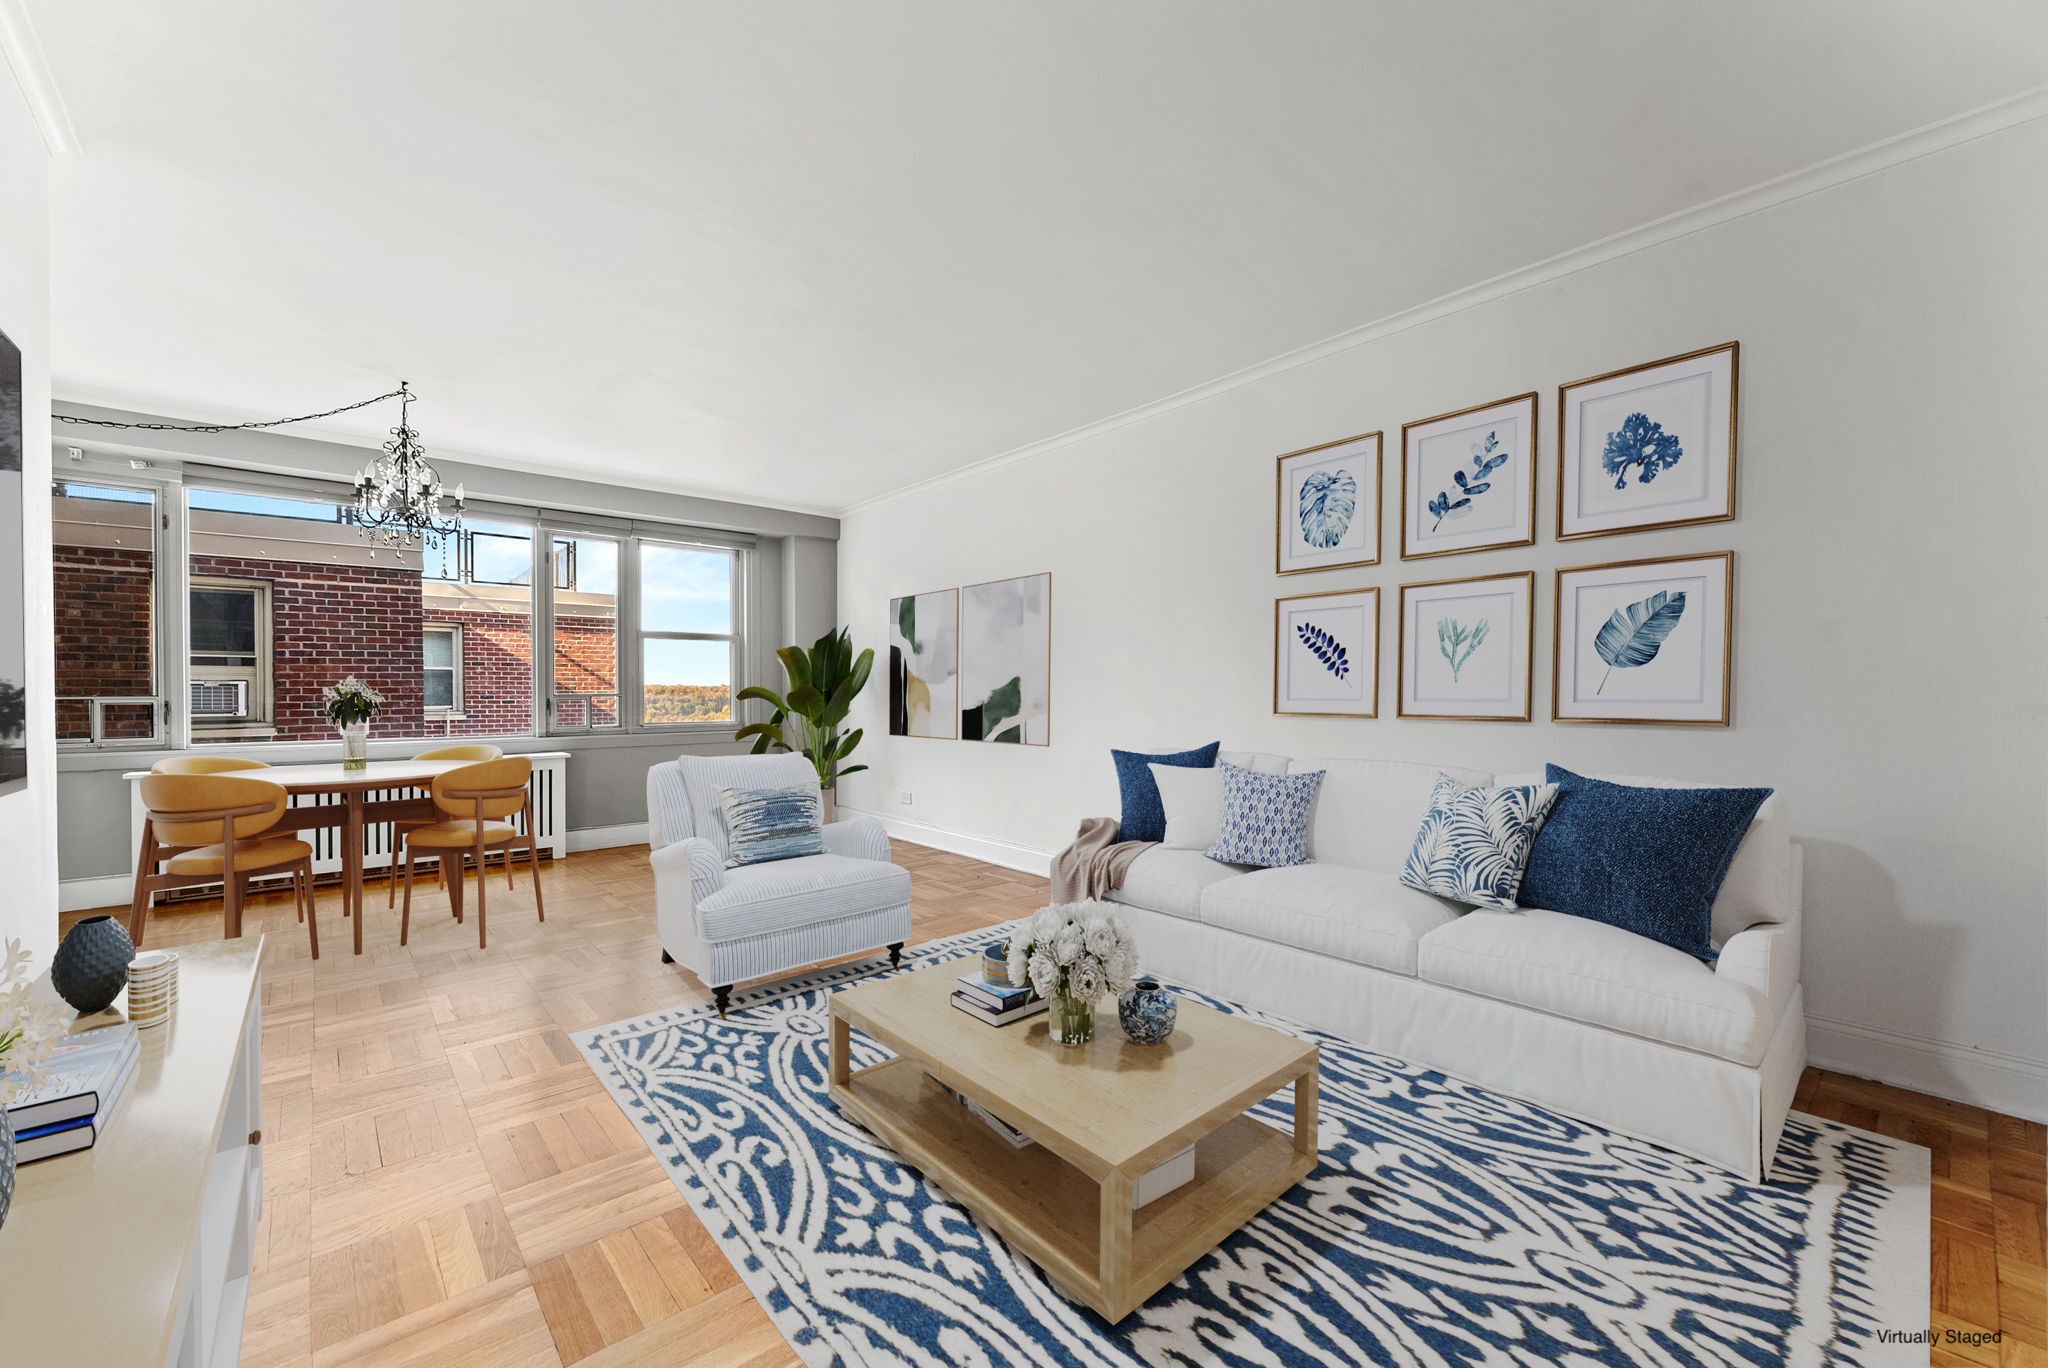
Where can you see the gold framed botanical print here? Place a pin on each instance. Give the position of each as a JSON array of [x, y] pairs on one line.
[[1326, 660], [1645, 641], [1327, 506], [1466, 648], [1468, 480], [1649, 447]]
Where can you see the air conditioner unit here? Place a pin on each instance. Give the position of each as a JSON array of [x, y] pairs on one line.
[[220, 698]]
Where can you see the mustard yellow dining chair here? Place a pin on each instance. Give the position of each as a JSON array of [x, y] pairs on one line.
[[204, 764], [476, 800], [476, 751], [209, 828]]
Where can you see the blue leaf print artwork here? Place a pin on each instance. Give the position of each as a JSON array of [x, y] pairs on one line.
[[1640, 441], [1456, 642], [1328, 499], [1325, 648], [1487, 457], [1633, 635]]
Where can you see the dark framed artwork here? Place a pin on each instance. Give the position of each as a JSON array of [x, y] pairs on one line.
[[13, 580]]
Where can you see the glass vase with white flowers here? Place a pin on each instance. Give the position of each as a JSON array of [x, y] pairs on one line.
[[350, 705], [1073, 953]]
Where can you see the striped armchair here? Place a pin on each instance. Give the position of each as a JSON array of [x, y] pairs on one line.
[[763, 920]]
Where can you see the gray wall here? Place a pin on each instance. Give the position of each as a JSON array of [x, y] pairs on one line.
[[1891, 583]]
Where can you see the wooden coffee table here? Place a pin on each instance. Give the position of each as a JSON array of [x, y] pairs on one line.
[[1103, 1114]]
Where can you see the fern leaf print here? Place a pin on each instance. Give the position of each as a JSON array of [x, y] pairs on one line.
[[1325, 648], [1632, 636], [1640, 442], [1329, 498]]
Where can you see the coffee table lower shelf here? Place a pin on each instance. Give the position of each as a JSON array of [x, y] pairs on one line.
[[1079, 1229]]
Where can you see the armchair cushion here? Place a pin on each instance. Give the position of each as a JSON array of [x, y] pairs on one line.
[[757, 899]]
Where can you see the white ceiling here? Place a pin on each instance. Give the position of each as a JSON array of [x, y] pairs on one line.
[[807, 253]]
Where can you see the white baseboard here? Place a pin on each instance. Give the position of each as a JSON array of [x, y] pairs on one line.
[[1982, 1078], [604, 838], [1009, 855], [76, 895]]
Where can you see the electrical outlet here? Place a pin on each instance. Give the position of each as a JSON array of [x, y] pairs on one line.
[[903, 797]]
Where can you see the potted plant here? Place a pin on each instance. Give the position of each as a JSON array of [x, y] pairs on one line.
[[29, 1028], [823, 682], [350, 705]]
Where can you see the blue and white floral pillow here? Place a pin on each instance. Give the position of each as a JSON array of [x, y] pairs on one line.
[[1264, 820], [1474, 842], [769, 824]]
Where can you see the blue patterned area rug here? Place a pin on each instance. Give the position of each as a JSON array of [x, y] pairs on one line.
[[1445, 1225]]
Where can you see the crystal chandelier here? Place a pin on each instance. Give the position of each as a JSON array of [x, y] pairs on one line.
[[398, 496]]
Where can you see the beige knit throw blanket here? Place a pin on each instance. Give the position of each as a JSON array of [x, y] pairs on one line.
[[1095, 862]]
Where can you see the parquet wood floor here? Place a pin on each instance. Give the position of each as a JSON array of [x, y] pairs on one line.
[[446, 1183]]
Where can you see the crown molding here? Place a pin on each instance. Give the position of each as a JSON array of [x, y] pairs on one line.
[[1826, 175], [24, 54]]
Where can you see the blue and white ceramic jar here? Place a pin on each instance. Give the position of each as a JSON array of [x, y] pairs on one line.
[[1147, 1012]]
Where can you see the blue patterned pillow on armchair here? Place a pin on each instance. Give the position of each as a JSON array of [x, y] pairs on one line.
[[769, 824], [1265, 818], [1474, 842]]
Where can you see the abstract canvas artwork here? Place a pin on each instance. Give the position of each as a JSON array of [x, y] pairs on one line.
[[1326, 660], [1644, 641], [1468, 480], [924, 664], [13, 586], [1465, 648], [1329, 506], [1006, 661], [1647, 447]]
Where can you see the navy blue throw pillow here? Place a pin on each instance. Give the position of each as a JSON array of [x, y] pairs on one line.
[[1648, 860], [1144, 817]]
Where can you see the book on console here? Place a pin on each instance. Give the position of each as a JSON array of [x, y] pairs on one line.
[[77, 1132], [983, 1012], [84, 1068], [1000, 996]]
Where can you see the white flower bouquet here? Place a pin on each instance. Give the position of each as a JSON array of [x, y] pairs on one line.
[[1073, 953], [29, 1027], [350, 702]]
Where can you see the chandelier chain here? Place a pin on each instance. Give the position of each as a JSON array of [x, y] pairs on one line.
[[231, 427]]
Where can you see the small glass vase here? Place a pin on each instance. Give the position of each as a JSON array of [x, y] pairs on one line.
[[355, 745], [1072, 1019]]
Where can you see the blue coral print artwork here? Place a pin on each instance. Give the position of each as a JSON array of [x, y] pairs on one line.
[[1652, 446], [1642, 443]]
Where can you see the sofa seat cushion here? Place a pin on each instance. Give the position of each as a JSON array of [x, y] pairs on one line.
[[1171, 881], [1599, 974], [1349, 914], [783, 894]]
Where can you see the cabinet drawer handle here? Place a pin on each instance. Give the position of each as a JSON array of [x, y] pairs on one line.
[[255, 1137]]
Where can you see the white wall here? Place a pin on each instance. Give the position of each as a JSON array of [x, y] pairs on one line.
[[28, 819], [1891, 626]]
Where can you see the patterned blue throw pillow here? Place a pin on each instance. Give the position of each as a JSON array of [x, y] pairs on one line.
[[1265, 818], [769, 824], [1474, 842], [1648, 860], [1144, 816]]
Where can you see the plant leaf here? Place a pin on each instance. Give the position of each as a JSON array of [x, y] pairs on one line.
[[1633, 635], [1325, 648], [1329, 498], [796, 664], [768, 696]]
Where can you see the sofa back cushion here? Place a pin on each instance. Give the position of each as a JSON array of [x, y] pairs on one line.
[[1259, 762], [705, 775], [1368, 811], [1761, 884]]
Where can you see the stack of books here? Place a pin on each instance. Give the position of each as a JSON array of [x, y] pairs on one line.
[[993, 1001], [91, 1069]]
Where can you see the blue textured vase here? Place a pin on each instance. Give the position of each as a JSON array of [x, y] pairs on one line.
[[1147, 1012]]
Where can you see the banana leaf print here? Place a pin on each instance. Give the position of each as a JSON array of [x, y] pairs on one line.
[[1632, 636], [1329, 499]]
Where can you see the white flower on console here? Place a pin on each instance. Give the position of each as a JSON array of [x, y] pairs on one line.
[[1045, 974]]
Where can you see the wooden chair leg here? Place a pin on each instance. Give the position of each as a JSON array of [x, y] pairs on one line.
[[483, 879], [138, 903], [303, 877], [533, 865], [448, 875], [405, 921]]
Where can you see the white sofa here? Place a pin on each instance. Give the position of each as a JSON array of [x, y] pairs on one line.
[[1574, 1015], [763, 920]]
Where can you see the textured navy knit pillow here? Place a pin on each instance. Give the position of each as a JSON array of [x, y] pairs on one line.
[[1144, 817], [1648, 860]]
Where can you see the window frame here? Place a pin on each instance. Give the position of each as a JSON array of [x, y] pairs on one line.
[[167, 603], [453, 712], [733, 637], [260, 722]]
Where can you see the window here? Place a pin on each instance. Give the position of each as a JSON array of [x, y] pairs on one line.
[[687, 640], [441, 667], [103, 573], [584, 605], [229, 649]]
